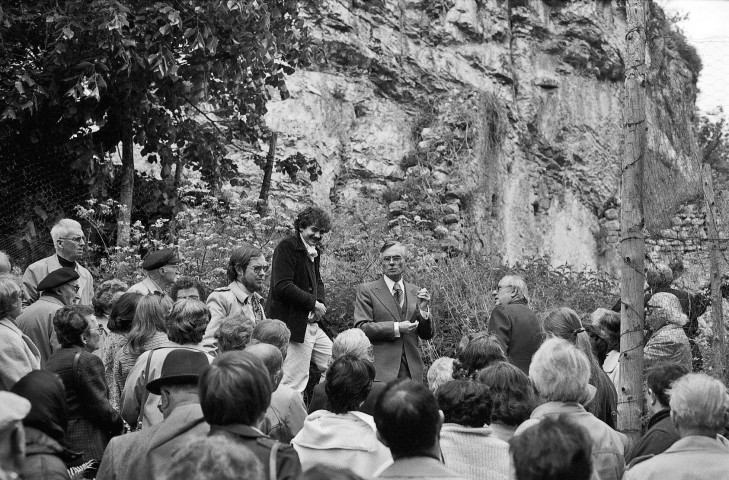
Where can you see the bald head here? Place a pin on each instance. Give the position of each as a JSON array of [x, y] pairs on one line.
[[271, 358]]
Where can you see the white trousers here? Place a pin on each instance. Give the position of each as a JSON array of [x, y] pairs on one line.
[[316, 347]]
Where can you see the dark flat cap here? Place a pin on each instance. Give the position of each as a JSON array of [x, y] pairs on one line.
[[160, 258], [181, 366], [57, 278]]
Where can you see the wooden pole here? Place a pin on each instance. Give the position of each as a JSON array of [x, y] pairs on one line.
[[126, 196], [262, 205], [717, 315], [632, 241]]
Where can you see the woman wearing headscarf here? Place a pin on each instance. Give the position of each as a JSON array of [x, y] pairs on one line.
[[92, 420], [46, 454], [669, 342], [603, 400]]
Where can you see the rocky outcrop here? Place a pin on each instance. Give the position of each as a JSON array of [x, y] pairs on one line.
[[494, 125]]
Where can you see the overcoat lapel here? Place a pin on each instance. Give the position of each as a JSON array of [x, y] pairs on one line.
[[382, 293]]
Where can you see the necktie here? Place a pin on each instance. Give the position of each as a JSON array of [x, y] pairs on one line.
[[256, 306], [397, 293]]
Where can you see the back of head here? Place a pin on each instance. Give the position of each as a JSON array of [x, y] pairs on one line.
[[105, 296], [481, 351], [519, 285], [440, 372], [269, 355], [349, 381], [273, 332], [407, 418], [352, 342], [566, 324], [511, 391], [560, 371], [47, 396], [5, 265], [234, 333], [699, 402], [122, 312], [149, 319], [660, 378], [236, 389], [10, 289], [327, 472], [187, 321], [553, 449], [215, 458], [465, 403]]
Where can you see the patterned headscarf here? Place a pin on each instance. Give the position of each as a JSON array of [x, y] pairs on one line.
[[665, 309]]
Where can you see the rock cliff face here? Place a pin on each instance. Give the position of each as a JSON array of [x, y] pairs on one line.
[[496, 125]]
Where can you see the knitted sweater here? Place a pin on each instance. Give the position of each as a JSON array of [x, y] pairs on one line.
[[474, 453]]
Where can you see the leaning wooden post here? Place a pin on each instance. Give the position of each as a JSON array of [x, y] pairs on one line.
[[632, 241], [717, 315]]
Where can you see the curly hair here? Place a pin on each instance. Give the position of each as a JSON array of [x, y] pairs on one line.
[[349, 381], [187, 321], [104, 296], [241, 257], [234, 333], [122, 313], [183, 283], [312, 217], [465, 403], [482, 350], [511, 391], [70, 323]]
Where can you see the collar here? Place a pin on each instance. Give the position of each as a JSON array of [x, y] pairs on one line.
[[311, 251], [66, 263], [152, 285], [556, 408], [238, 429], [52, 298], [390, 283], [240, 291], [658, 416]]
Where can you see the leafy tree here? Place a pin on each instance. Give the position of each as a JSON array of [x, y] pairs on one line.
[[152, 73]]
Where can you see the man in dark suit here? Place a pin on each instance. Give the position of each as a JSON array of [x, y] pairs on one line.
[[513, 323], [393, 314], [296, 296], [146, 454]]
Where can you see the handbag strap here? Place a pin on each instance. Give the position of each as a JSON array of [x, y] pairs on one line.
[[75, 370], [145, 392], [272, 474]]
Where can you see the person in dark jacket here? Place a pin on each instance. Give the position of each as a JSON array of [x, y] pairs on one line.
[[234, 395], [296, 296], [660, 433], [92, 420], [46, 454], [513, 322]]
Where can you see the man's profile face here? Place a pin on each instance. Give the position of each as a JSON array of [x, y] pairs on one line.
[[313, 235], [503, 294], [71, 245], [393, 262]]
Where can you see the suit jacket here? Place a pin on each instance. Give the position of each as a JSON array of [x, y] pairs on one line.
[[296, 286], [39, 270], [691, 458], [518, 331], [36, 321], [376, 312], [147, 454], [226, 301], [18, 354], [285, 415], [91, 419]]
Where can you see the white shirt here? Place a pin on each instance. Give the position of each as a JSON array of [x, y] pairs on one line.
[[311, 251], [391, 286]]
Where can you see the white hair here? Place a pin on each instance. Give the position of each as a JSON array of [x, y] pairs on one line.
[[5, 265], [352, 342], [440, 372], [518, 284], [63, 227], [560, 371], [699, 401]]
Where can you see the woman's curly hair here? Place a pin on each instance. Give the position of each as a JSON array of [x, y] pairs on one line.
[[481, 351], [465, 403], [511, 392]]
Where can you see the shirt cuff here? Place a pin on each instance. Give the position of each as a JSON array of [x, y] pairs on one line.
[[397, 329], [425, 314]]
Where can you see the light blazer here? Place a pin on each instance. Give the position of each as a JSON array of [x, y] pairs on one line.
[[226, 301], [376, 312], [39, 270], [18, 354], [36, 321], [145, 287]]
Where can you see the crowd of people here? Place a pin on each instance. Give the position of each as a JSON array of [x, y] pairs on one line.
[[164, 380]]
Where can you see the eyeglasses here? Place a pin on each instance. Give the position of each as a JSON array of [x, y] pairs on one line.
[[259, 268], [651, 308], [75, 287], [75, 239], [394, 258]]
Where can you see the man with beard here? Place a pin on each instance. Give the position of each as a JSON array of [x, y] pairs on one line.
[[69, 242], [394, 314], [296, 296], [162, 272], [247, 270]]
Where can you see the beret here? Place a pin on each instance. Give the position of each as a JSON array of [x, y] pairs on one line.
[[160, 258], [57, 278]]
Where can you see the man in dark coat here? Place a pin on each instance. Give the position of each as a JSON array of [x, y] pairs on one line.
[[146, 454], [394, 314], [661, 433], [296, 296], [513, 323], [234, 395]]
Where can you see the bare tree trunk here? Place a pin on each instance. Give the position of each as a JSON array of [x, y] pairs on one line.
[[717, 315], [175, 194], [262, 206], [126, 196], [632, 241]]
